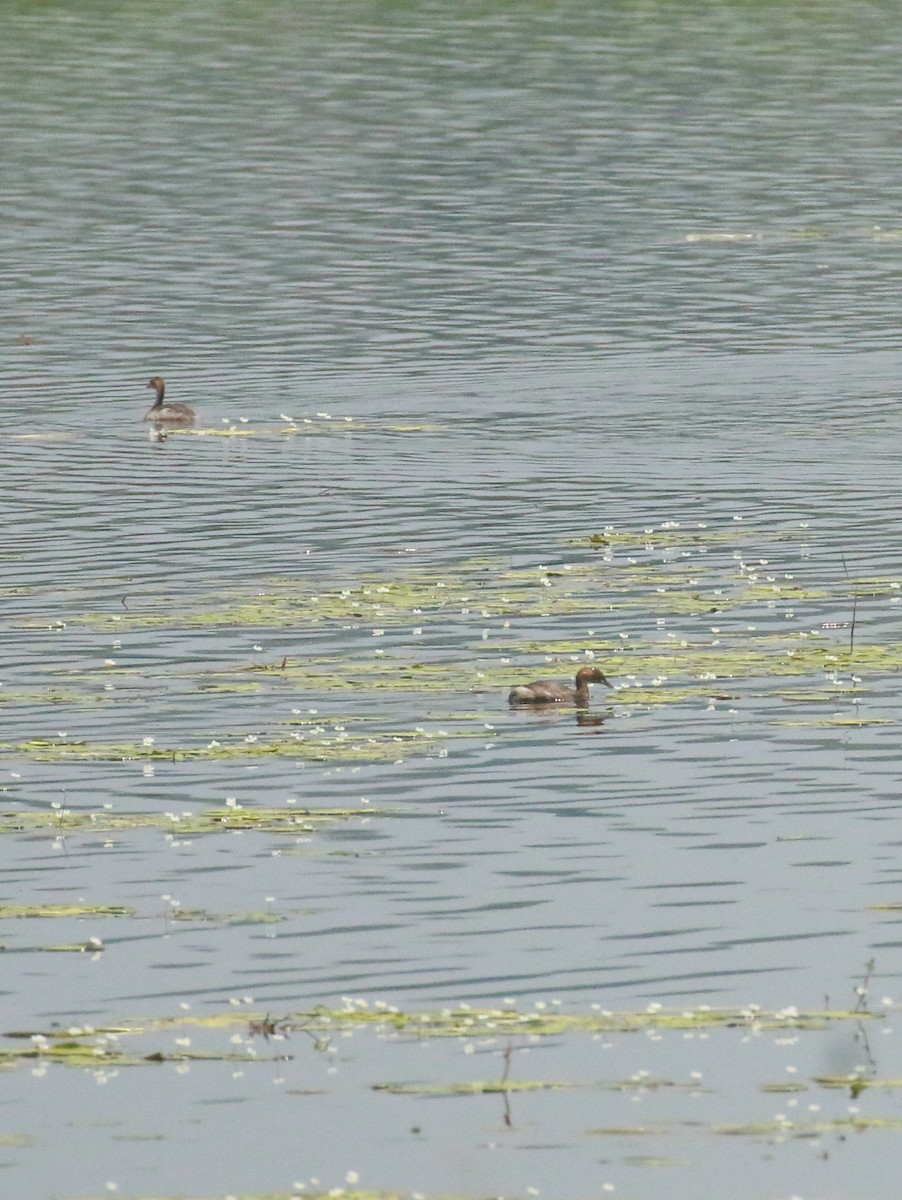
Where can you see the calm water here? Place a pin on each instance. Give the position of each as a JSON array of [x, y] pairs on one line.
[[566, 270]]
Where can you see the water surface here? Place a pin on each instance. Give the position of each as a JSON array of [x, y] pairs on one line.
[[529, 275]]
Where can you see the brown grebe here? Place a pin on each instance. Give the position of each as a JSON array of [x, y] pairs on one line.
[[172, 414], [549, 691]]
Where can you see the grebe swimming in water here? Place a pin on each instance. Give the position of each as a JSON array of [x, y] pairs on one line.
[[172, 414], [549, 691]]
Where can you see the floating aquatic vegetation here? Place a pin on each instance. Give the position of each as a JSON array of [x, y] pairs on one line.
[[65, 910], [466, 1022], [675, 534], [107, 1046], [103, 1051], [812, 697], [708, 611], [784, 1128], [52, 696], [91, 946], [487, 588], [840, 720], [503, 1086], [470, 1022], [780, 1128], [691, 663], [322, 424], [343, 1193], [475, 1088], [317, 745], [234, 687], [857, 1082], [319, 425], [95, 946], [201, 916], [291, 820]]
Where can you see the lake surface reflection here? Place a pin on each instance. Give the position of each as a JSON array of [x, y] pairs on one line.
[[518, 339]]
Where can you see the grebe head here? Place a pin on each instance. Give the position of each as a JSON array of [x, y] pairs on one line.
[[158, 383], [587, 675]]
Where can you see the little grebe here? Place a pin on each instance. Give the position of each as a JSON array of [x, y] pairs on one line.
[[548, 691], [172, 414]]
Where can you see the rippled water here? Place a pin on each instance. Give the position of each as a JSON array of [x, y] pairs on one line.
[[528, 274]]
